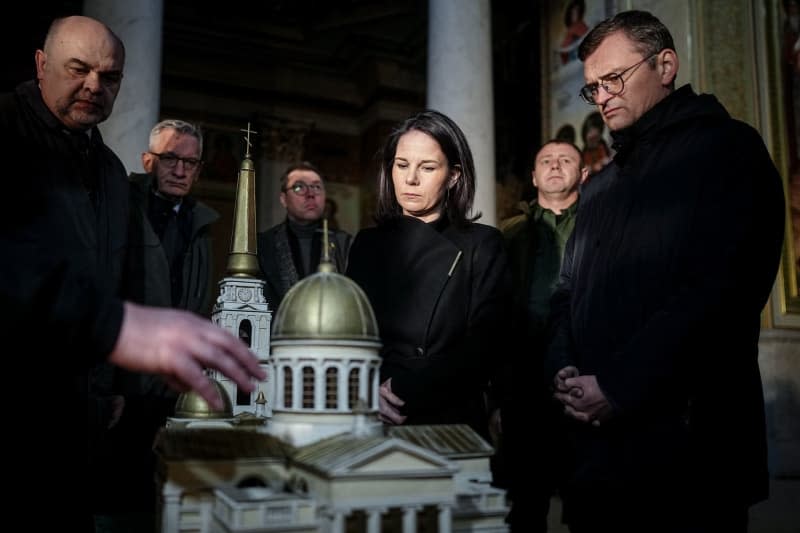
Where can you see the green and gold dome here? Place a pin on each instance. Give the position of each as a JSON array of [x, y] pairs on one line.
[[325, 306], [192, 405]]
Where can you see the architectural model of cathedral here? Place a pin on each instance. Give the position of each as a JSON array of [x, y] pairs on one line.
[[306, 452]]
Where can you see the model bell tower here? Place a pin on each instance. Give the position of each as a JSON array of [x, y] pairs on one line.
[[241, 307]]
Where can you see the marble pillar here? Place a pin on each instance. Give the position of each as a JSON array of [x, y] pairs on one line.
[[460, 84], [136, 110]]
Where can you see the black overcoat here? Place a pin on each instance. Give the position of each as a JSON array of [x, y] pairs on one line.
[[674, 254], [276, 260], [147, 275], [63, 227], [440, 294]]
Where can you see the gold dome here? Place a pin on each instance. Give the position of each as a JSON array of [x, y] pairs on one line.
[[192, 405], [325, 305]]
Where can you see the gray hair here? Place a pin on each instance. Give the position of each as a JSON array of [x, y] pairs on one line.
[[179, 126]]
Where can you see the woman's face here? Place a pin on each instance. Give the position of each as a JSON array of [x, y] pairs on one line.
[[421, 174]]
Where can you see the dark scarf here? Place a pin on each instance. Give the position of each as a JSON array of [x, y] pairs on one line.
[[174, 230]]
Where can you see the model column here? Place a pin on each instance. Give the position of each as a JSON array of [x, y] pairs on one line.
[[136, 110], [171, 512], [336, 521], [445, 518], [410, 518], [460, 84], [374, 520]]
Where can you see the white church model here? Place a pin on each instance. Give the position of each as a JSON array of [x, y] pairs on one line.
[[306, 451]]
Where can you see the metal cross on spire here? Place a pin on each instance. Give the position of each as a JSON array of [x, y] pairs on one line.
[[248, 144]]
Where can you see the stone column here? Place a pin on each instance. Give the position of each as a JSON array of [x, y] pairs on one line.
[[364, 384], [374, 520], [319, 387], [410, 518], [297, 386], [344, 388], [136, 110], [460, 84], [445, 519], [337, 522], [171, 512], [278, 386]]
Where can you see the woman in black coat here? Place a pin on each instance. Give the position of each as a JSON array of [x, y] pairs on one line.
[[437, 281]]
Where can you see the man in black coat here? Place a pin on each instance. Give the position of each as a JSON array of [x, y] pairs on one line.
[[535, 241], [291, 250], [62, 240], [657, 315], [168, 265]]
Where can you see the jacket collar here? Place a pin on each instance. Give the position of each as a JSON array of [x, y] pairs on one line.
[[537, 210], [679, 107]]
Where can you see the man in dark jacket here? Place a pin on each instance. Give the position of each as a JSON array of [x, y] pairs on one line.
[[63, 229], [169, 261], [291, 250], [168, 265], [535, 241], [657, 314]]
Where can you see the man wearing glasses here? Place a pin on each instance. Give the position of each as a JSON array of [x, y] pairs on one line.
[[170, 248], [291, 250], [168, 265], [654, 346]]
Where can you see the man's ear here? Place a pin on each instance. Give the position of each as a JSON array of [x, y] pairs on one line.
[[668, 66], [148, 162], [282, 198], [41, 61], [533, 178], [584, 174]]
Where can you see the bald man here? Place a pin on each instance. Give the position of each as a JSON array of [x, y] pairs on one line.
[[63, 227]]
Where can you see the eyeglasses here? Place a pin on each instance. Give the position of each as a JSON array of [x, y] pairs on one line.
[[301, 188], [171, 161], [613, 84]]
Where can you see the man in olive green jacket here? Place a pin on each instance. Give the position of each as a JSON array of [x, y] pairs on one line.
[[535, 241]]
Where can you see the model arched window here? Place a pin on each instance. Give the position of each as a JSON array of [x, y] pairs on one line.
[[287, 387], [246, 332], [331, 388], [308, 387], [242, 397], [352, 388]]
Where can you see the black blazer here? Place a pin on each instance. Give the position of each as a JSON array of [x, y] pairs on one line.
[[276, 260], [440, 294]]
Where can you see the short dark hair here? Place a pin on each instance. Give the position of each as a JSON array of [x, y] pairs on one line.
[[455, 148], [648, 34], [302, 165], [556, 140]]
